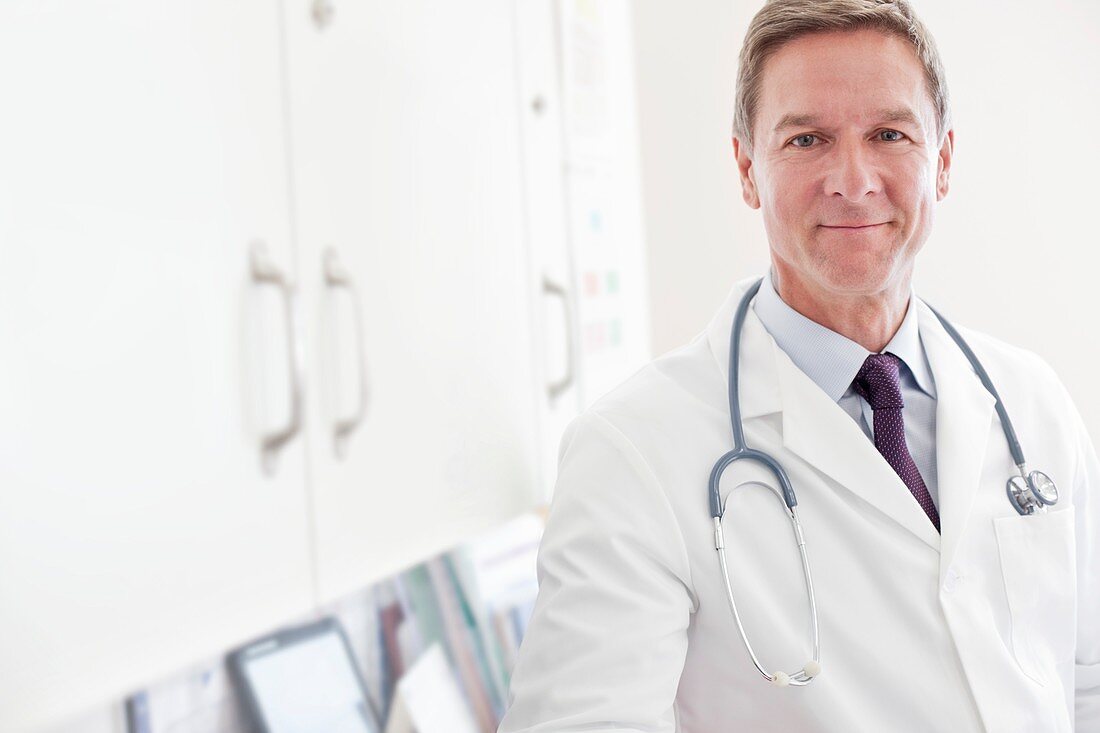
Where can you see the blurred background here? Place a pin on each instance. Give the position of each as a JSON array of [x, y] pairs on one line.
[[296, 299]]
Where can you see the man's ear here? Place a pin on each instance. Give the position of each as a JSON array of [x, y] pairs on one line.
[[943, 166], [748, 177]]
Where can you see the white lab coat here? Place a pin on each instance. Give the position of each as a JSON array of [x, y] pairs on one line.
[[995, 625]]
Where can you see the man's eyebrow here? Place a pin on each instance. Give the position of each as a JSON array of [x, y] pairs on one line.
[[898, 114], [795, 120]]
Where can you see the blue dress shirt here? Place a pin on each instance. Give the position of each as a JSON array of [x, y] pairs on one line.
[[832, 362]]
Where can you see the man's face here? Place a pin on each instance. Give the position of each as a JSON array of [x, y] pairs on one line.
[[845, 165]]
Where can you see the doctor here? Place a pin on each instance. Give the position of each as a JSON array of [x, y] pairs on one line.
[[938, 606]]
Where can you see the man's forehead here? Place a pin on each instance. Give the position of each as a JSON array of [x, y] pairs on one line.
[[843, 77], [825, 51]]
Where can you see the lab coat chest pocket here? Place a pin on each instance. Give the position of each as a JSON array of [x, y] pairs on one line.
[[1039, 568]]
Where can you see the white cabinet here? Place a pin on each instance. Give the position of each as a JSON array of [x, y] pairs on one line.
[[558, 367], [142, 152], [583, 205], [407, 180], [404, 167]]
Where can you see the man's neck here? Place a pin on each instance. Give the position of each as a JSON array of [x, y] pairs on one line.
[[870, 320]]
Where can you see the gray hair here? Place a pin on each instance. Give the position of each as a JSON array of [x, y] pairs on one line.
[[782, 21]]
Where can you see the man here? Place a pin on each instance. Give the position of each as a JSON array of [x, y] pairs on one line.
[[940, 607]]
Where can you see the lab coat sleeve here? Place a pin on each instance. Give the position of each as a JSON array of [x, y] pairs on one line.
[[608, 636], [1086, 503]]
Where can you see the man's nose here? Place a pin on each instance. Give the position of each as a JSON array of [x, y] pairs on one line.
[[852, 173]]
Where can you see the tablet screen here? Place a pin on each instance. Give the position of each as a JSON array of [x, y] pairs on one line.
[[307, 684]]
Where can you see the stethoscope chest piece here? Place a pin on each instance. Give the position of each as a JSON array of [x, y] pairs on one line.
[[1033, 493], [1029, 492]]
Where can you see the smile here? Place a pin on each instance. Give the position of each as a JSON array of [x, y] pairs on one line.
[[854, 227]]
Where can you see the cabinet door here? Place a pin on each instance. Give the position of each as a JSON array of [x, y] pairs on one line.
[[558, 364], [143, 151], [407, 167]]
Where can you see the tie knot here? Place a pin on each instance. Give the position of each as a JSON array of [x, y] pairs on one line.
[[877, 382]]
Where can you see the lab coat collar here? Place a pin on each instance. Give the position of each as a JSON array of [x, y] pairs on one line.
[[818, 430], [814, 426], [965, 412], [759, 388]]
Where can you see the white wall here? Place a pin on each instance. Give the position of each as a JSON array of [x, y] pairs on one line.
[[700, 235], [1014, 250]]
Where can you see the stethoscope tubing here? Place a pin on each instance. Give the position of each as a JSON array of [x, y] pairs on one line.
[[1025, 496], [1006, 422]]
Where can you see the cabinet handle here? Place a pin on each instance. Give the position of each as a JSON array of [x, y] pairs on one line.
[[549, 287], [336, 276], [265, 272]]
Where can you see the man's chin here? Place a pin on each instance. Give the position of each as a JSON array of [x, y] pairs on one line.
[[855, 276]]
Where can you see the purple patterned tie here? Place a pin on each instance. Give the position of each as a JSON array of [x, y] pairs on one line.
[[877, 382]]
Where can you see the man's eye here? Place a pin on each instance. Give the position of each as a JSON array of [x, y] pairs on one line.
[[804, 141], [890, 136]]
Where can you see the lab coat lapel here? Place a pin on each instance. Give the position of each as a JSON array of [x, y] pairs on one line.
[[759, 391], [814, 427], [819, 431], [964, 415]]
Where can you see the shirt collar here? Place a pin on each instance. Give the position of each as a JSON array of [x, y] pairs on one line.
[[830, 359]]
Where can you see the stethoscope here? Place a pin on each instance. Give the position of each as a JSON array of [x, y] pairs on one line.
[[1029, 492]]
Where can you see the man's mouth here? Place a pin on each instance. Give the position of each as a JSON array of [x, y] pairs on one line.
[[855, 225]]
